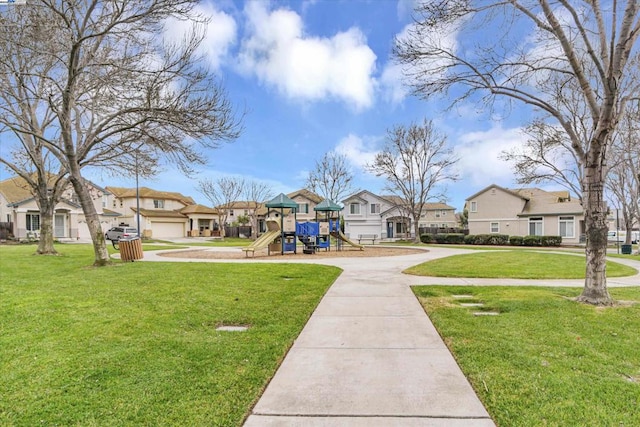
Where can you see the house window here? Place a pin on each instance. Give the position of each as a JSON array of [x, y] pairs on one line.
[[246, 212], [114, 203], [437, 214], [375, 208], [121, 203], [231, 212], [158, 204], [444, 213], [303, 207], [104, 201], [495, 227], [474, 206], [401, 227], [33, 222], [535, 226], [354, 209], [566, 226]]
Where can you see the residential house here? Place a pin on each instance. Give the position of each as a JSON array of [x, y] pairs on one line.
[[525, 211], [367, 213], [306, 200], [19, 207], [163, 214]]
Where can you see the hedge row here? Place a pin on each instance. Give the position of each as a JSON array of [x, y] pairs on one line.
[[491, 239]]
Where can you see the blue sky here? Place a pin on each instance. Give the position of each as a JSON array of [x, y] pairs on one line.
[[317, 76]]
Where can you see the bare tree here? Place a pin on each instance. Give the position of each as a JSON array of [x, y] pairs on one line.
[[255, 193], [331, 178], [623, 180], [543, 52], [546, 157], [222, 193], [415, 161], [111, 88]]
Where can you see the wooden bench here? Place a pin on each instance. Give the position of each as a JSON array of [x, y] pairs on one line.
[[371, 237]]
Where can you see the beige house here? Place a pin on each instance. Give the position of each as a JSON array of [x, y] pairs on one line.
[[163, 214], [525, 211], [18, 207]]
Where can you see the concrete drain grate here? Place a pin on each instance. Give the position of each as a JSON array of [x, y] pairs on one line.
[[232, 328], [485, 313]]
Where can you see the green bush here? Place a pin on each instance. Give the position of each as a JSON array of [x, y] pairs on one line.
[[532, 240], [427, 238], [551, 241], [440, 238], [516, 240], [487, 239], [455, 238]]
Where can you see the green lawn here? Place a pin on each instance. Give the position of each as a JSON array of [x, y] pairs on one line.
[[514, 265], [135, 343], [544, 360]]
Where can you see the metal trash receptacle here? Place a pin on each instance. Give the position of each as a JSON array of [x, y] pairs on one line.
[[130, 249], [626, 249]]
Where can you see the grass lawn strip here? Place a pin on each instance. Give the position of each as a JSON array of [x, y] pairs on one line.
[[136, 343], [545, 359], [514, 265]]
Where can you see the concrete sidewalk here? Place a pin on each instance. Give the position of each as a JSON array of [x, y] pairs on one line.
[[369, 356]]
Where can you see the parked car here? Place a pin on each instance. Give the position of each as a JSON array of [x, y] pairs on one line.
[[117, 233], [615, 236]]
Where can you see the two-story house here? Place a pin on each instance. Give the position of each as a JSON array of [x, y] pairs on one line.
[[525, 211], [367, 213], [163, 214], [19, 207]]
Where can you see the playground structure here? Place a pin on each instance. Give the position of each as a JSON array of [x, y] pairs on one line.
[[282, 235]]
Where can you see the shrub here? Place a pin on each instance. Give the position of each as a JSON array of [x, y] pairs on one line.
[[455, 238], [440, 238], [427, 238], [516, 240], [532, 240], [487, 239], [551, 241]]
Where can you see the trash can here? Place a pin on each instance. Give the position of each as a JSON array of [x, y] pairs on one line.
[[130, 249], [626, 249]]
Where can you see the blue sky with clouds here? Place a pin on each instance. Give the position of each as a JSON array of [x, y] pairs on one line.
[[317, 76]]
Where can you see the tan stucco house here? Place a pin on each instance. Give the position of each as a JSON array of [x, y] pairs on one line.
[[525, 211], [18, 206], [163, 214]]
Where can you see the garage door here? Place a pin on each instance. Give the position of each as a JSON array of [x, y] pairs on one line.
[[161, 230]]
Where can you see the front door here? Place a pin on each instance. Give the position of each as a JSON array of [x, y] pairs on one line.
[[58, 225], [389, 229]]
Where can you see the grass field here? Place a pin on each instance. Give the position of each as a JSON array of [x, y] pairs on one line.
[[136, 343], [514, 265], [545, 360]]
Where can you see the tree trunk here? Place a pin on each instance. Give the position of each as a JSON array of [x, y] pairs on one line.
[[45, 244], [416, 230], [595, 217], [93, 221]]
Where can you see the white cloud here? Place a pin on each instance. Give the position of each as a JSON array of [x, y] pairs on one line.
[[304, 67], [479, 151], [357, 151], [220, 33]]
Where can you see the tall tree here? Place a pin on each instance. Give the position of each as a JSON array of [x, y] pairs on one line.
[[222, 193], [623, 180], [111, 86], [255, 193], [542, 53], [331, 178], [415, 161]]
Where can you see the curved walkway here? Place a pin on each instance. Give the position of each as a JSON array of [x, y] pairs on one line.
[[370, 356]]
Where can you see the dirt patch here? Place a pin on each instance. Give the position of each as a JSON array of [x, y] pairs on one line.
[[369, 251]]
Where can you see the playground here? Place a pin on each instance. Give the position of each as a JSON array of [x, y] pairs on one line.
[[238, 253]]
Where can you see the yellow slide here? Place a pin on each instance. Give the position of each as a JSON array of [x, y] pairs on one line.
[[340, 236], [263, 241]]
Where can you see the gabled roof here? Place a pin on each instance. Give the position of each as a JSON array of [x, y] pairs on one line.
[[149, 193], [307, 194], [158, 213], [541, 202], [198, 209], [506, 190], [16, 190], [359, 196]]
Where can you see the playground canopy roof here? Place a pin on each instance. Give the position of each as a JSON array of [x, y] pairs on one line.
[[327, 206], [281, 201]]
